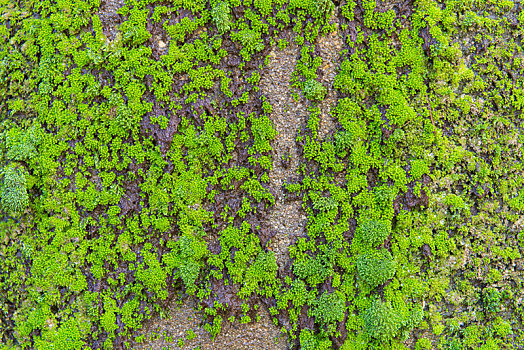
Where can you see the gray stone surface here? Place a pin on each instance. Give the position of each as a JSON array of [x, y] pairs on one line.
[[182, 319]]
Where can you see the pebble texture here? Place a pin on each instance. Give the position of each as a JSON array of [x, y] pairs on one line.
[[329, 47], [287, 217], [182, 319], [109, 17]]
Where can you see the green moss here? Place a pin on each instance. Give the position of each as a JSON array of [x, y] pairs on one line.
[[328, 308], [491, 299], [381, 321], [147, 170], [314, 90], [221, 16], [376, 267], [373, 232], [313, 270], [310, 341], [13, 193], [22, 144], [423, 343]]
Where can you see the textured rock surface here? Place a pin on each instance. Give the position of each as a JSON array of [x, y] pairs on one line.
[[182, 319], [329, 48], [109, 17], [460, 243], [287, 217]]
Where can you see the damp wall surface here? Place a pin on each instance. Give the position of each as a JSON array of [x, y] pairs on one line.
[[261, 174]]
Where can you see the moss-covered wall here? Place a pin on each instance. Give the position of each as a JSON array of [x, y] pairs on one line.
[[136, 146]]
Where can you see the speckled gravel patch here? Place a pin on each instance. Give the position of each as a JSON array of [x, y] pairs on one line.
[[109, 17], [182, 329], [287, 217], [329, 47]]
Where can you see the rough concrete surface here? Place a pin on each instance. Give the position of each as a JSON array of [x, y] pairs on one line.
[[181, 319], [287, 217], [329, 47], [109, 17]]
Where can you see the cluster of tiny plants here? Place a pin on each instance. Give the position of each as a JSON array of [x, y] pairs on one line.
[[135, 160]]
